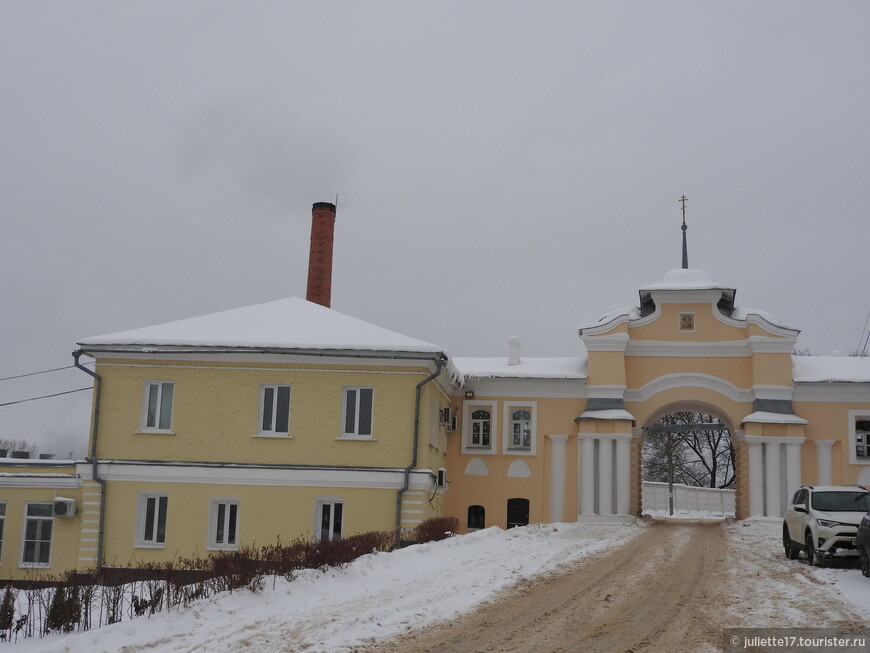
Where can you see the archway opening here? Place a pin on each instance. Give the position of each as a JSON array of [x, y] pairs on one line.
[[688, 465]]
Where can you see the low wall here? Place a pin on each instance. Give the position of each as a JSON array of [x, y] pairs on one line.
[[688, 500]]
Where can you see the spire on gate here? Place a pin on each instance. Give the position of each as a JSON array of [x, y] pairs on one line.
[[683, 200]]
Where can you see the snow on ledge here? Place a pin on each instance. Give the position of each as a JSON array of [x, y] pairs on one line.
[[763, 417], [614, 413]]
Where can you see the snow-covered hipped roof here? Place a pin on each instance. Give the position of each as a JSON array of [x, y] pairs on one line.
[[573, 367], [291, 323], [685, 279], [830, 369]]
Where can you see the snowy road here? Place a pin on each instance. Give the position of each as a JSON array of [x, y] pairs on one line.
[[662, 587]]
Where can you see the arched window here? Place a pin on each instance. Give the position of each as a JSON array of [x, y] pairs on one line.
[[521, 429], [517, 512], [476, 517], [480, 428]]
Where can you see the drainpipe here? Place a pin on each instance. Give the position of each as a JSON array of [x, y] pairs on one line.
[[439, 363], [98, 382]]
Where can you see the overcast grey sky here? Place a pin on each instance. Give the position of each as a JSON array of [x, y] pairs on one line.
[[503, 168]]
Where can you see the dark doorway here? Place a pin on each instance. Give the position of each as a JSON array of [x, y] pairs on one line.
[[517, 512]]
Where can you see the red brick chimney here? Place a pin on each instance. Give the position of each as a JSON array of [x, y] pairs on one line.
[[320, 255]]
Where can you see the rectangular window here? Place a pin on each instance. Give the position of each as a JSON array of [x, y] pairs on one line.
[[157, 407], [275, 409], [37, 534], [225, 524], [152, 519], [330, 519], [358, 406]]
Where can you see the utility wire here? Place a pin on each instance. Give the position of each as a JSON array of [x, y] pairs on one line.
[[56, 394], [56, 369], [863, 348]]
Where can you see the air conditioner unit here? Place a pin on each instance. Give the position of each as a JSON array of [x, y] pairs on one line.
[[441, 478], [64, 507], [450, 427]]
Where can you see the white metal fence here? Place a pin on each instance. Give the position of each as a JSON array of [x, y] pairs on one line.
[[688, 500]]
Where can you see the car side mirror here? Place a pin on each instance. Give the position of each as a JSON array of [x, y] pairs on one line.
[[800, 508]]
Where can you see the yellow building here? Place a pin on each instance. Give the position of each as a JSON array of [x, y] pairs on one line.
[[290, 419]]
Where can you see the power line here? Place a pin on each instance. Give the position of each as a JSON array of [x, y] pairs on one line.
[[56, 394], [56, 369]]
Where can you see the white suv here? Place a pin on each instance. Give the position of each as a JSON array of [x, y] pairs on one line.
[[823, 522]]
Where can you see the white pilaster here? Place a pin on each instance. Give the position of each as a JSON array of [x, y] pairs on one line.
[[824, 462], [587, 474], [623, 478], [792, 467], [557, 477], [772, 479], [756, 476], [605, 476]]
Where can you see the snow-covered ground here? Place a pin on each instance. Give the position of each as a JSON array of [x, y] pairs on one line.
[[385, 594]]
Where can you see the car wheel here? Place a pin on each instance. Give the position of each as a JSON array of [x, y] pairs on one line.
[[865, 560], [791, 551], [813, 559]]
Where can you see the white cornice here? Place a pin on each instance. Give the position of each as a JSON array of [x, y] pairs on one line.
[[387, 479], [44, 481], [765, 345], [605, 391], [677, 349], [688, 379], [606, 342], [778, 392], [704, 296], [526, 388], [832, 392]]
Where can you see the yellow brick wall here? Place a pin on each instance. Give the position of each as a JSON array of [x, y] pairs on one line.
[[64, 551], [216, 411], [267, 514]]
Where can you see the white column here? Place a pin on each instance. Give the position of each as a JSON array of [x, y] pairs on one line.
[[587, 474], [623, 478], [557, 477], [605, 476], [756, 476], [824, 464], [772, 479], [792, 467]]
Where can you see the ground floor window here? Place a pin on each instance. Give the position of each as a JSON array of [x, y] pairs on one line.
[[152, 519], [224, 524], [330, 517], [476, 517], [37, 534], [517, 512]]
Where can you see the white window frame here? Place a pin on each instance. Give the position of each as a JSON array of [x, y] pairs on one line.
[[355, 434], [142, 515], [40, 519], [272, 433], [318, 517], [507, 430], [146, 401], [214, 512], [2, 526], [468, 408], [854, 417]]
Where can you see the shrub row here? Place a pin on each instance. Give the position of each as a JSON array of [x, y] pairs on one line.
[[81, 601]]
